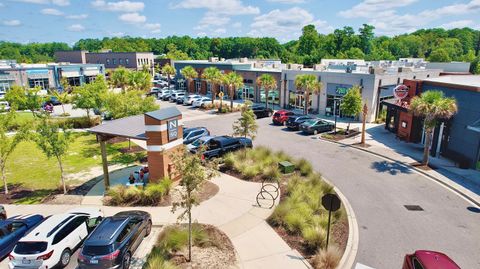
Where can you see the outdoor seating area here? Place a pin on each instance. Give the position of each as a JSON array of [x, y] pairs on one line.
[[138, 178]]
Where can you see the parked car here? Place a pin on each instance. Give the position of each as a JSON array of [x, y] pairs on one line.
[[153, 91], [280, 117], [115, 240], [261, 111], [192, 134], [426, 259], [202, 141], [3, 213], [177, 96], [14, 228], [201, 102], [162, 93], [168, 95], [293, 122], [315, 126], [217, 146], [4, 106], [188, 99], [53, 100], [52, 242]]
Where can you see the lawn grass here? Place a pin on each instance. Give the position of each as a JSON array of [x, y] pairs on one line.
[[29, 168]]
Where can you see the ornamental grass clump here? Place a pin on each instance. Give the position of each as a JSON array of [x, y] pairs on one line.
[[304, 167], [151, 195], [327, 258]]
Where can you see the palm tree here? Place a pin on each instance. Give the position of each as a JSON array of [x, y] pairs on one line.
[[139, 80], [308, 84], [169, 71], [432, 105], [268, 83], [233, 81], [213, 77], [189, 73], [120, 78]]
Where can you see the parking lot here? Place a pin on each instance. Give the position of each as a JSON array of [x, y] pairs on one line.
[[138, 260]]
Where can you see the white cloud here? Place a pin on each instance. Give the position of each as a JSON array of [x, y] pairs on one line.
[[212, 19], [61, 2], [287, 1], [121, 6], [51, 11], [76, 28], [220, 31], [285, 24], [154, 28], [237, 25], [117, 34], [458, 24], [201, 34], [33, 1], [371, 8], [227, 7], [132, 18], [77, 17], [12, 23]]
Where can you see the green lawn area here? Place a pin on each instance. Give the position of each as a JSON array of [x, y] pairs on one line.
[[30, 168]]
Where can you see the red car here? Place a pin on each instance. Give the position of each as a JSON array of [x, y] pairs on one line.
[[426, 259], [280, 117]]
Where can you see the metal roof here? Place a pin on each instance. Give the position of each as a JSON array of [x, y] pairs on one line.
[[164, 113], [129, 127]]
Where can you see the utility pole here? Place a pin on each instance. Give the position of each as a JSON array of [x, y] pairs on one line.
[[364, 120]]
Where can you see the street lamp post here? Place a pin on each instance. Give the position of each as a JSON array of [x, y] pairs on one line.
[[335, 113]]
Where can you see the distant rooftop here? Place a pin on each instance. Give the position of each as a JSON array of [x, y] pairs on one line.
[[460, 80]]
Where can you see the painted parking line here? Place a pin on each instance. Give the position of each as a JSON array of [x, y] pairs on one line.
[[362, 266]]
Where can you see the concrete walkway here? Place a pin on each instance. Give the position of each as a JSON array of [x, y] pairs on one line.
[[233, 209]]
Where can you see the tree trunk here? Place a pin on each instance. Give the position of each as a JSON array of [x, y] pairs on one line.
[[4, 178], [305, 99], [61, 174], [88, 114], [426, 149], [348, 128], [168, 79], [266, 98], [189, 228], [213, 92], [63, 108], [230, 90], [363, 129]]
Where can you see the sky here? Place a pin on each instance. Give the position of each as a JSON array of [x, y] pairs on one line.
[[70, 20]]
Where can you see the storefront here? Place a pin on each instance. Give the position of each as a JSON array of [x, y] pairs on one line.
[[38, 78]]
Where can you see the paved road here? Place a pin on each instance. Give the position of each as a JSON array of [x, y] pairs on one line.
[[378, 191]]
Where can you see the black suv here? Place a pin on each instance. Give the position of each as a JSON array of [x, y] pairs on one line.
[[112, 244], [293, 122], [261, 111]]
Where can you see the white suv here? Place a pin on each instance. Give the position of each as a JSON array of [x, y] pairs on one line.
[[52, 242]]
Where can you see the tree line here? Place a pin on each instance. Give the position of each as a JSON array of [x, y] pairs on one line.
[[435, 44]]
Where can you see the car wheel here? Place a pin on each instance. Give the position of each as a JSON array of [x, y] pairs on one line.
[[65, 258], [148, 229], [269, 113], [126, 261], [315, 132], [284, 123]]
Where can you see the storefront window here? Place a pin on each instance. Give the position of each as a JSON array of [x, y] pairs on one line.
[[74, 81], [246, 93], [38, 82], [4, 86], [297, 100], [198, 86]]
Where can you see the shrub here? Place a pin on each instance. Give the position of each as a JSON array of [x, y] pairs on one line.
[[304, 167], [152, 195], [156, 261], [167, 183], [116, 194], [295, 222], [327, 258], [271, 173], [278, 216], [315, 236], [77, 122], [229, 160], [174, 238]]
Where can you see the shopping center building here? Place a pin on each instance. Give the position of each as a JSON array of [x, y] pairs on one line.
[[46, 76]]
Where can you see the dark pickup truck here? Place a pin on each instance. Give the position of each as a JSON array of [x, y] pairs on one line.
[[220, 145]]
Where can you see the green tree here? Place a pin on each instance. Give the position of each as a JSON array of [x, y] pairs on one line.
[[213, 77], [246, 125], [54, 142], [351, 104], [34, 100], [366, 37], [120, 105], [308, 84], [233, 81], [175, 54], [308, 41], [440, 55], [120, 78], [65, 85], [189, 73], [432, 106], [169, 71], [8, 143], [268, 83], [64, 98], [90, 96], [16, 96], [194, 173], [140, 81]]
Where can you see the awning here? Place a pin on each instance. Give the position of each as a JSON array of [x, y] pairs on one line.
[[91, 72], [129, 127], [70, 74]]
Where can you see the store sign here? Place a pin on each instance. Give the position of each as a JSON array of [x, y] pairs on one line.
[[400, 92], [172, 128], [341, 90]]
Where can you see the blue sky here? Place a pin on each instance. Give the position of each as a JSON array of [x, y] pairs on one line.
[[70, 20]]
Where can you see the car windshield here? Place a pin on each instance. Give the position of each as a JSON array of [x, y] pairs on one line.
[[97, 250], [198, 142], [30, 247], [310, 122]]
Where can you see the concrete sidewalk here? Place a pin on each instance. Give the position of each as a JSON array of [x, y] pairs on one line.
[[233, 209], [385, 144]]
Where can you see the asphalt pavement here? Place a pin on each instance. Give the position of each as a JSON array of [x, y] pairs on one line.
[[379, 191]]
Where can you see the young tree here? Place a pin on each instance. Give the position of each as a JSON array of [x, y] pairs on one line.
[[34, 100], [90, 96], [65, 85], [131, 103], [268, 83], [194, 172], [189, 74], [233, 82], [64, 98], [16, 96], [351, 104], [9, 142], [119, 78], [54, 142], [432, 105], [169, 71], [308, 84], [246, 125], [213, 76]]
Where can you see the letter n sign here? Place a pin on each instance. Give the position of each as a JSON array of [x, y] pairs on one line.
[[172, 127]]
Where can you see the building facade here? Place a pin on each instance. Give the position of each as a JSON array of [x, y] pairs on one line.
[[111, 60], [457, 138], [47, 76]]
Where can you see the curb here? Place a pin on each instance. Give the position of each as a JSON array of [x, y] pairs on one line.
[[351, 249], [449, 185]]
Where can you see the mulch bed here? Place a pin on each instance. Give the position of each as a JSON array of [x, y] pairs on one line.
[[339, 136], [360, 145], [236, 174], [421, 166], [16, 193]]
